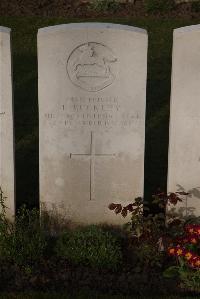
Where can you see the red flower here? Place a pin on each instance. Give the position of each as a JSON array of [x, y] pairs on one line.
[[189, 255], [172, 251], [189, 228], [194, 262], [192, 229], [179, 252], [197, 262], [193, 239], [176, 251]]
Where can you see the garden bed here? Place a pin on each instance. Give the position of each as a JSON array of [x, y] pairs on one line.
[[82, 295], [83, 8], [136, 260]]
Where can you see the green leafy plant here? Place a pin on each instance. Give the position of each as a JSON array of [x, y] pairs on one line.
[[6, 227], [148, 235], [189, 279], [28, 239], [195, 7], [186, 251], [105, 5], [140, 225], [159, 5], [91, 246], [52, 221], [21, 242]]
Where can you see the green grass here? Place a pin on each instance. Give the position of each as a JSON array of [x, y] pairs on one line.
[[24, 31]]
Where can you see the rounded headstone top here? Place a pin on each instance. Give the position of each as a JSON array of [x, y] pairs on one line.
[[5, 29], [187, 29], [92, 25]]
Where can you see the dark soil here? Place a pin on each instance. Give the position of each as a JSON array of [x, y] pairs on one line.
[[82, 8], [61, 276]]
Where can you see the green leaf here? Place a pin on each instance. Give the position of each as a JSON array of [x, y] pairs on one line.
[[172, 271]]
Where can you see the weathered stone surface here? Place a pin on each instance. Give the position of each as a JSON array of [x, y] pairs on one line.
[[92, 94], [185, 1], [184, 145], [6, 123]]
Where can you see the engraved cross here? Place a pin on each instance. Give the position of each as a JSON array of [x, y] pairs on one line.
[[92, 156]]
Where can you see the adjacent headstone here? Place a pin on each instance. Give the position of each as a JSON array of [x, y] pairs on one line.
[[185, 1], [184, 144], [7, 183], [92, 95]]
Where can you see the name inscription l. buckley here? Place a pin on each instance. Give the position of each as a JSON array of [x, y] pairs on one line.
[[92, 113]]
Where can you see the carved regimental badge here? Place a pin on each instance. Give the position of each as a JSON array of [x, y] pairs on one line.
[[92, 66]]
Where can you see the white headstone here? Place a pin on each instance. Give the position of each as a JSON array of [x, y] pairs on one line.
[[184, 144], [7, 183], [92, 95]]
